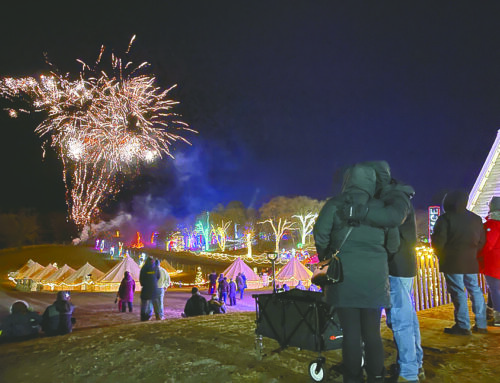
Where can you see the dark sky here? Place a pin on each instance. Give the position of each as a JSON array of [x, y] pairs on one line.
[[283, 93]]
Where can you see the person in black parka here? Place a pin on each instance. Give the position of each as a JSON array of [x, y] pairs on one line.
[[196, 305], [457, 239], [402, 319], [22, 323], [149, 287], [58, 317], [365, 288]]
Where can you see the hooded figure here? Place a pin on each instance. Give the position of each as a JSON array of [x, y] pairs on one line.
[[458, 236], [126, 292], [364, 253], [22, 323], [457, 239], [359, 298], [57, 318]]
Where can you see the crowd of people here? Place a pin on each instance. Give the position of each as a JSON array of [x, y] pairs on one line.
[[372, 226]]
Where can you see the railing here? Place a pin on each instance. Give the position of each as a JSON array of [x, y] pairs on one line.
[[429, 286]]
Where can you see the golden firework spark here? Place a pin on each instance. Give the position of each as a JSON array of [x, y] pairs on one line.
[[100, 124]]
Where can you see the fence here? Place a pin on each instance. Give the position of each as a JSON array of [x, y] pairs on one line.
[[429, 287]]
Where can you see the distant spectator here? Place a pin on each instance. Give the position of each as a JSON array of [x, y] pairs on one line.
[[300, 286], [58, 317], [126, 292], [232, 293], [149, 287], [212, 278], [196, 305], [21, 324], [223, 290], [240, 282], [216, 307], [163, 284], [285, 287]]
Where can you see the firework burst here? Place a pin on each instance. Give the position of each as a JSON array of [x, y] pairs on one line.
[[100, 124]]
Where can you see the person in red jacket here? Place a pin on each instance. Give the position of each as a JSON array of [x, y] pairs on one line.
[[489, 257]]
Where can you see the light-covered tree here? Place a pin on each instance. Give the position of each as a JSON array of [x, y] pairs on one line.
[[220, 232], [306, 223], [279, 227], [203, 227]]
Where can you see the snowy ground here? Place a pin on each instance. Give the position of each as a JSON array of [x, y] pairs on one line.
[[108, 346]]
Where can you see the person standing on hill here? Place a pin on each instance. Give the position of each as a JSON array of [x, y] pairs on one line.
[[489, 258], [364, 291], [223, 290], [397, 212], [232, 293], [457, 239], [240, 283], [149, 287], [212, 278], [126, 292], [163, 284]]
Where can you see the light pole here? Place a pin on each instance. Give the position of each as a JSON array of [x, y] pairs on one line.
[[272, 257]]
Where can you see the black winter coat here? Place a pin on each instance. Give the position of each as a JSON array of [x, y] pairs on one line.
[[196, 305], [57, 318], [364, 254], [458, 236], [396, 212], [148, 278]]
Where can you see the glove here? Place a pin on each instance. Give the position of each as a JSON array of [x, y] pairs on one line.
[[353, 214]]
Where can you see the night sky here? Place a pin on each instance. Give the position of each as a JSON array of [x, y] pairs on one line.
[[282, 93]]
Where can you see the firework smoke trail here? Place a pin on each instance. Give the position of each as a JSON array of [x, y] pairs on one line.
[[100, 125]]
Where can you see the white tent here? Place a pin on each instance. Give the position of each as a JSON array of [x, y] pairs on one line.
[[54, 281], [239, 266], [45, 273], [293, 272], [60, 275], [111, 280], [23, 269], [32, 269], [82, 279]]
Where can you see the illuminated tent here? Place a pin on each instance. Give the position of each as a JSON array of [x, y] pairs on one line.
[[487, 183], [82, 279], [45, 273], [54, 281], [167, 266], [238, 266], [293, 272], [22, 270], [33, 268], [111, 280]]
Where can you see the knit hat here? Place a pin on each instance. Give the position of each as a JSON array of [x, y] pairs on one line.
[[495, 204], [194, 290]]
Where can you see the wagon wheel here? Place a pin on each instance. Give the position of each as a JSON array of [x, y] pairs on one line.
[[258, 347], [317, 370]]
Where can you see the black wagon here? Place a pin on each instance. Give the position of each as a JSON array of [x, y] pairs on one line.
[[300, 319]]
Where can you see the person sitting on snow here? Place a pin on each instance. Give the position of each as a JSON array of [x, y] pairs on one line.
[[216, 307], [21, 324], [58, 317], [196, 305]]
